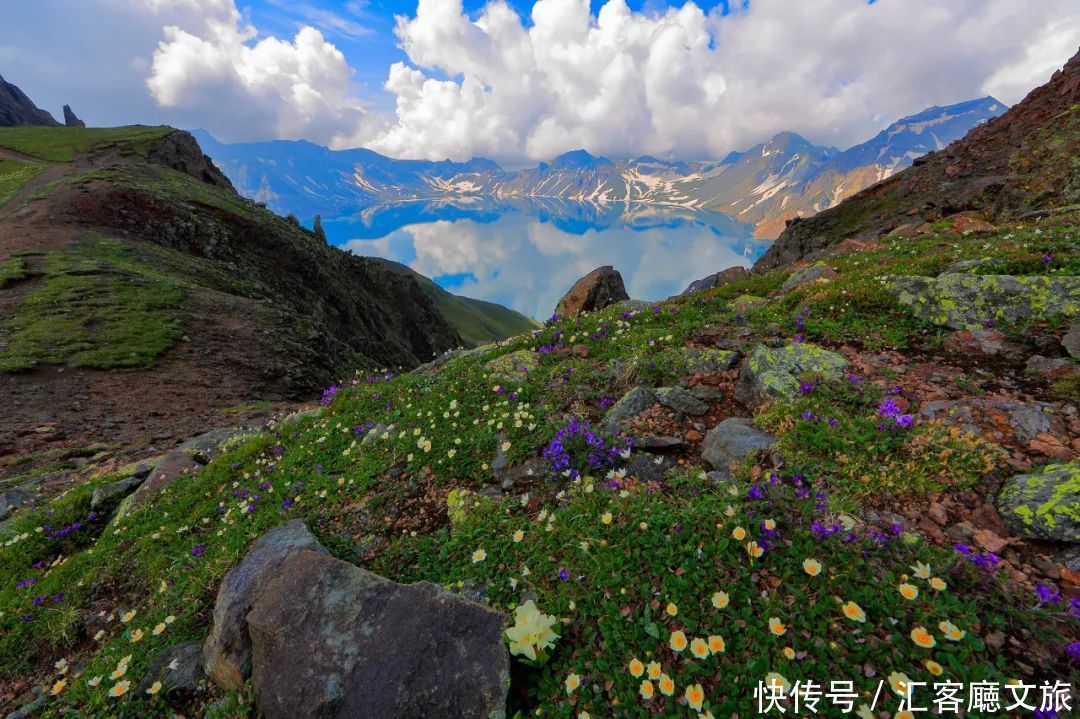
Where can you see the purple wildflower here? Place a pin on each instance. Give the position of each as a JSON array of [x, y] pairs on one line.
[[1073, 650], [198, 550], [563, 574], [1047, 595]]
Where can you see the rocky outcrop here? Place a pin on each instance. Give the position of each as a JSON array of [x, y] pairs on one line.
[[332, 640], [18, 109], [811, 274], [718, 279], [23, 495], [1044, 504], [179, 151], [770, 374], [227, 651], [595, 291], [681, 401], [513, 367], [732, 441], [972, 302], [982, 344], [71, 119]]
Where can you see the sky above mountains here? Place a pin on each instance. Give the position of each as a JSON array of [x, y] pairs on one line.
[[523, 81]]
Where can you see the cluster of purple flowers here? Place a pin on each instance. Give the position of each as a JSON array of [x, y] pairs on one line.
[[800, 323], [576, 439], [892, 416], [71, 528], [988, 560], [328, 395]]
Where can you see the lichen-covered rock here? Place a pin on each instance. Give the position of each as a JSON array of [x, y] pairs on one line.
[[513, 367], [968, 302], [681, 401], [704, 360], [227, 650], [24, 495], [333, 640], [595, 291], [770, 374], [718, 279], [629, 406], [733, 440], [747, 303], [1003, 420], [817, 272], [1044, 504]]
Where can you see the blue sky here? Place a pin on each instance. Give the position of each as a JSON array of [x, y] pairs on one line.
[[462, 78]]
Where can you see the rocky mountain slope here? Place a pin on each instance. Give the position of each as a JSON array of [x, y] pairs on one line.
[[1019, 162], [126, 249], [18, 109], [764, 186]]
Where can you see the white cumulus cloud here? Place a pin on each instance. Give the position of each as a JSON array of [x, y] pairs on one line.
[[212, 69], [692, 84]]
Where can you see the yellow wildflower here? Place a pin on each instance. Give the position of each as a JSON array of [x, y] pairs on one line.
[[952, 632], [716, 644], [667, 686], [789, 652], [699, 648], [120, 689], [636, 668], [923, 638], [899, 682], [776, 626], [811, 567], [58, 687], [933, 667], [154, 688], [645, 689], [695, 695], [671, 609], [908, 591], [677, 642], [938, 584], [739, 533], [573, 681], [478, 556], [854, 612], [922, 571], [720, 600]]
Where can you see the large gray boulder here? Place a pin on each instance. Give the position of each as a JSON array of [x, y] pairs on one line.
[[969, 302], [595, 291], [770, 374], [1071, 341], [1044, 504], [732, 441], [227, 650], [333, 640]]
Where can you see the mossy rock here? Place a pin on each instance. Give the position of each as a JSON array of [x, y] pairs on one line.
[[967, 302], [817, 272], [770, 374], [514, 366], [748, 303], [1044, 504], [705, 360]]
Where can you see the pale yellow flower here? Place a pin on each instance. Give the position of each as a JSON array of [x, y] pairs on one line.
[[923, 638], [159, 629], [811, 567], [695, 695], [154, 688], [716, 644], [677, 641], [776, 626], [908, 591], [938, 584], [667, 686], [573, 681], [739, 533], [120, 689], [58, 687], [636, 668], [645, 689], [128, 616], [671, 609], [854, 612], [478, 556], [654, 670], [699, 648], [720, 600]]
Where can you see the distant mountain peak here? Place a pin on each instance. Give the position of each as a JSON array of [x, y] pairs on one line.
[[579, 159], [18, 109]]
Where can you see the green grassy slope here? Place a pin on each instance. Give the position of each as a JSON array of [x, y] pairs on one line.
[[478, 322], [622, 563], [62, 144]]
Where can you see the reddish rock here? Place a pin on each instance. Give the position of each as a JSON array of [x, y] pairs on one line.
[[937, 513], [983, 343], [1051, 446], [964, 222], [595, 291], [986, 516], [932, 530], [851, 245], [989, 540], [719, 279], [1051, 368], [692, 436]]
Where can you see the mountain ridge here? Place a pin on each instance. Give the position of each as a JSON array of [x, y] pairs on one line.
[[765, 185]]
